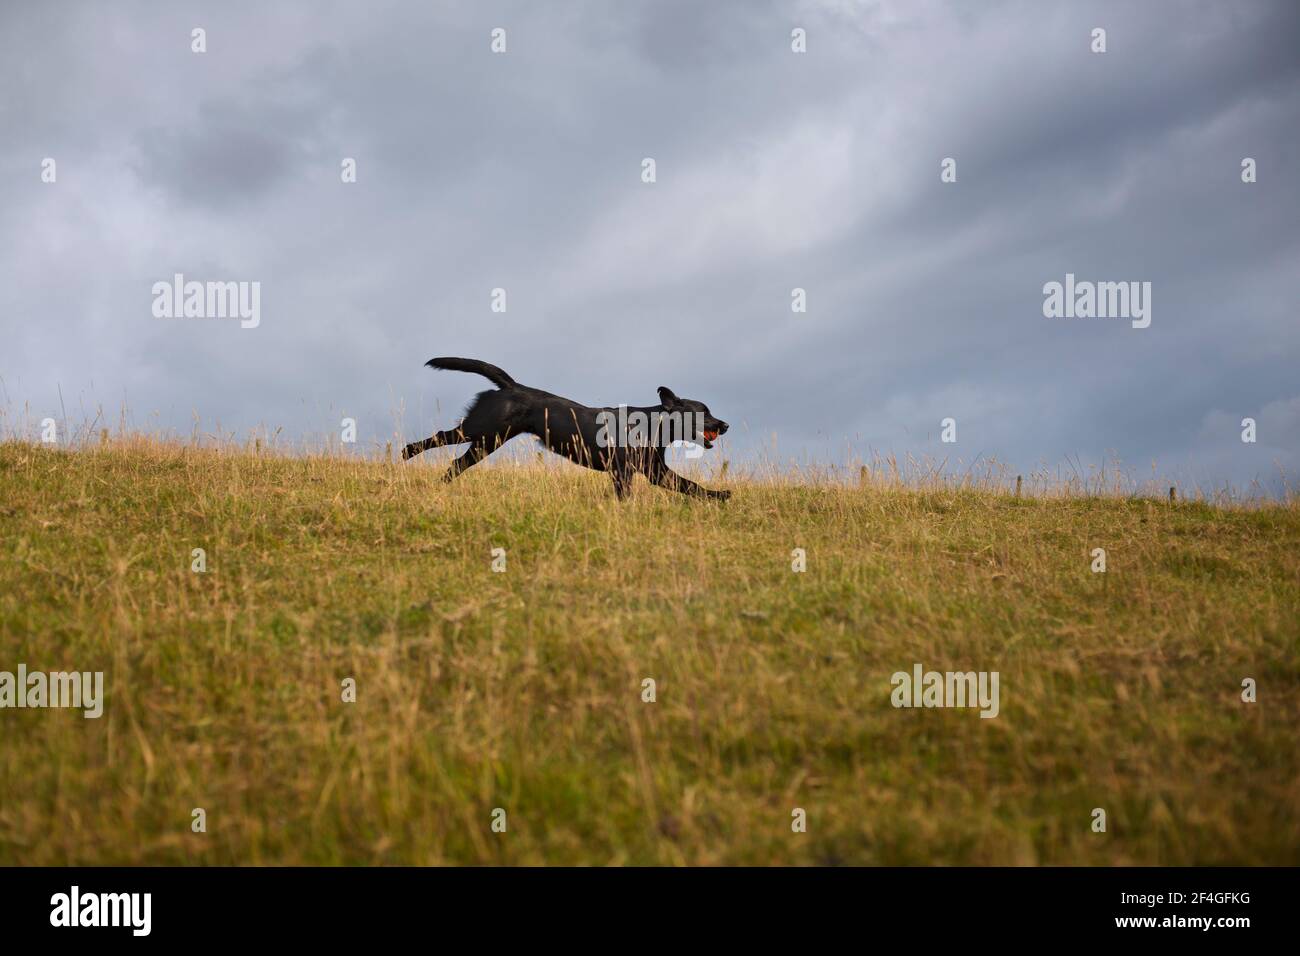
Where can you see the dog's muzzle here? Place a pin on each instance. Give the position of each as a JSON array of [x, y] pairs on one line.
[[711, 434]]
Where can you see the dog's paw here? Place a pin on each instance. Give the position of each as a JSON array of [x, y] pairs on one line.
[[721, 495]]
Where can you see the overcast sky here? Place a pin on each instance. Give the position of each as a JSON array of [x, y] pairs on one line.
[[775, 170]]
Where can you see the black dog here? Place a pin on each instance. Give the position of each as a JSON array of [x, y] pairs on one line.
[[595, 437]]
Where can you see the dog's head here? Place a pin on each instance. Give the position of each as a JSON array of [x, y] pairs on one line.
[[700, 424]]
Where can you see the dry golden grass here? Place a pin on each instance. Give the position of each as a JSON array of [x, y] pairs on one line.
[[522, 690]]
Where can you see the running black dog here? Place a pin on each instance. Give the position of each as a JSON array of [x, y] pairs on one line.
[[598, 438]]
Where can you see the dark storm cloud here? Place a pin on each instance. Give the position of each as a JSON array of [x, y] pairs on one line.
[[775, 170]]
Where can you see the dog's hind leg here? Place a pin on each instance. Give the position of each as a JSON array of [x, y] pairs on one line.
[[452, 436], [477, 452]]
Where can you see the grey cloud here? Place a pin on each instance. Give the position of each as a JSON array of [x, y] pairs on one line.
[[775, 171], [229, 154]]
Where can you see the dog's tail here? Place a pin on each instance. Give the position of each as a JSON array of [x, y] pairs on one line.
[[490, 372]]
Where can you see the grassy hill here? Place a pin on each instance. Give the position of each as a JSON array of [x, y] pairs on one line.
[[523, 689]]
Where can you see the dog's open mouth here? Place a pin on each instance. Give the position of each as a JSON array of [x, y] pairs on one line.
[[709, 436]]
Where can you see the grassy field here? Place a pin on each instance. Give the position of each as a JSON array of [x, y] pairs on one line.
[[522, 690]]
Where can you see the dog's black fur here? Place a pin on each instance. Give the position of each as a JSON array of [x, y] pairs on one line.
[[566, 428]]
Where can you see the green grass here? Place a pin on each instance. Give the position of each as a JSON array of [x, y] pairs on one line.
[[522, 690]]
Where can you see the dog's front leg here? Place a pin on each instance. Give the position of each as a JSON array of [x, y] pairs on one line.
[[663, 476], [622, 467], [622, 483]]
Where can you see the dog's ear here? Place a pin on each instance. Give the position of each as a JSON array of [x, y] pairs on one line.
[[667, 397]]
